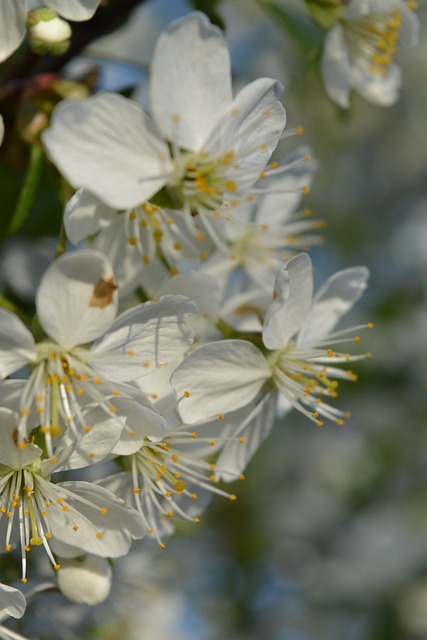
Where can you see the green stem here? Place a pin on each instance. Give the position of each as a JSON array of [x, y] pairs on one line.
[[28, 190]]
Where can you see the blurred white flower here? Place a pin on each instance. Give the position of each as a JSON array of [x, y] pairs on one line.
[[359, 51]]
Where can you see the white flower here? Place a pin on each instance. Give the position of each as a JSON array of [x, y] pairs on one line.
[[172, 476], [80, 515], [267, 230], [211, 146], [359, 51], [13, 17], [295, 357], [76, 304]]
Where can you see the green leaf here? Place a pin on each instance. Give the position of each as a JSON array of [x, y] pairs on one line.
[[325, 12]]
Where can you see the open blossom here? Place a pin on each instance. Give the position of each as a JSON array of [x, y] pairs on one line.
[[13, 17], [201, 144], [81, 515], [296, 359], [170, 477], [359, 51], [76, 304], [267, 230]]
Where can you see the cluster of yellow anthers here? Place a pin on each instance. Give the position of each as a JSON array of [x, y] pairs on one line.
[[32, 514], [374, 38], [166, 471]]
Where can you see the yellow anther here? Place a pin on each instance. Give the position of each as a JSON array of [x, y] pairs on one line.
[[56, 567], [319, 423], [197, 520], [87, 428], [161, 545], [221, 416], [75, 527], [241, 440], [233, 497], [150, 530], [356, 339], [98, 534], [137, 490], [186, 394], [370, 325]]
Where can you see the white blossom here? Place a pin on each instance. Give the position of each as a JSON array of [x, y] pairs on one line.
[[211, 146], [295, 357], [76, 304], [359, 51]]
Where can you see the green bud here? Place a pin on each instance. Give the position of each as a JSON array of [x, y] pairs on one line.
[[47, 32]]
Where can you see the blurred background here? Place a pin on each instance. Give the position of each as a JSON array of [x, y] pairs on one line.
[[328, 537]]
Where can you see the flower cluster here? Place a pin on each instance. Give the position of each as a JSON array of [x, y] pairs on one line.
[[183, 321]]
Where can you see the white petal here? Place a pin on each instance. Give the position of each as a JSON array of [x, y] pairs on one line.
[[144, 338], [293, 290], [17, 345], [74, 9], [251, 127], [126, 259], [76, 301], [118, 524], [108, 145], [94, 445], [337, 296], [13, 15], [86, 214], [142, 420], [220, 377], [10, 394], [1, 129], [12, 602], [11, 455], [380, 90], [199, 287], [190, 80], [276, 208], [336, 67], [254, 428]]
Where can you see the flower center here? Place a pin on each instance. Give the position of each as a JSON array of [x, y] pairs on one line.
[[373, 39], [202, 178]]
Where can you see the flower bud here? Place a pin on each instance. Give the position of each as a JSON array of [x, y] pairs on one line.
[[47, 32], [85, 580]]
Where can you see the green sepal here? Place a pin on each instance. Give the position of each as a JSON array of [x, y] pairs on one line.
[[326, 12]]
